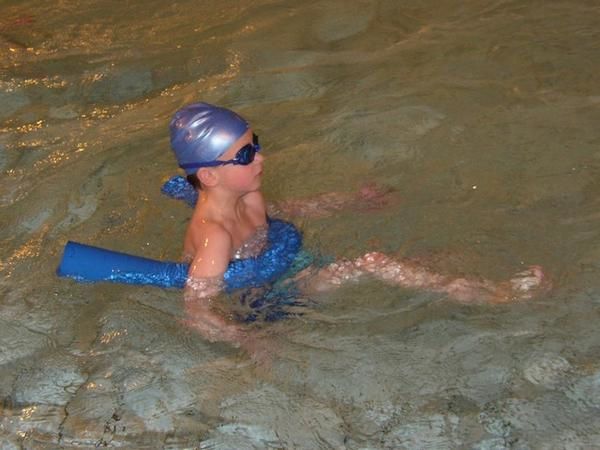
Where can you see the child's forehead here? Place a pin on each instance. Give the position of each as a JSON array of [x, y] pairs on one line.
[[244, 139]]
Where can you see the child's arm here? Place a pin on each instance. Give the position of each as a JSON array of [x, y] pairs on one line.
[[205, 282], [202, 315], [403, 273], [200, 297], [369, 196]]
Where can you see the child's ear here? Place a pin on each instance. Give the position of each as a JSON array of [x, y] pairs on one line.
[[207, 176]]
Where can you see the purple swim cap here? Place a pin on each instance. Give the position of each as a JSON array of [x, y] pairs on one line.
[[201, 132]]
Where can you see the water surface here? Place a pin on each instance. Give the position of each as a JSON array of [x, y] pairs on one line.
[[481, 115]]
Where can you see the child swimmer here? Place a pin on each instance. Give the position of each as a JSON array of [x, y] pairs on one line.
[[221, 157]]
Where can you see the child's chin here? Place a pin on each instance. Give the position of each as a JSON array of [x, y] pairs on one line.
[[255, 187]]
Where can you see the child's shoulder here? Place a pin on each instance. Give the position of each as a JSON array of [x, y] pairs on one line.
[[202, 231]]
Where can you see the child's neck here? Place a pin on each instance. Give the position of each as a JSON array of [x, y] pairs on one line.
[[220, 204]]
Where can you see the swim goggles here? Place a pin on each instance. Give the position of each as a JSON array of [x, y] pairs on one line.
[[243, 157]]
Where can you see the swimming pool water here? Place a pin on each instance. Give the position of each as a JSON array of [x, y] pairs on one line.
[[481, 115]]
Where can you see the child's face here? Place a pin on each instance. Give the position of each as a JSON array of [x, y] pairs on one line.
[[238, 177]]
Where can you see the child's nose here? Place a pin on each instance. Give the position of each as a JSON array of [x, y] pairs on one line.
[[259, 157]]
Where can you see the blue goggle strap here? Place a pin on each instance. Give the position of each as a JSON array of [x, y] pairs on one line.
[[236, 160]]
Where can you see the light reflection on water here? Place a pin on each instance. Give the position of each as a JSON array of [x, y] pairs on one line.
[[483, 117]]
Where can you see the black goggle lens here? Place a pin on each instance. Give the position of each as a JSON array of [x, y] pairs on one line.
[[246, 154]]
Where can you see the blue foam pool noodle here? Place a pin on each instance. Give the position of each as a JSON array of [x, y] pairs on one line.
[[86, 263]]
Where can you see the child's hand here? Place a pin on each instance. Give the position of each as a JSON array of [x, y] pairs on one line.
[[372, 196], [260, 347], [528, 283]]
